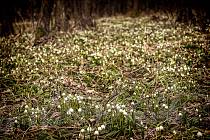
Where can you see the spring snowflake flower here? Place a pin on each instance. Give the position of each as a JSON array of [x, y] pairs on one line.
[[108, 105], [89, 129], [121, 110], [160, 128], [82, 130], [141, 123], [180, 114], [174, 132], [199, 134], [164, 105], [89, 98], [66, 98], [103, 126], [132, 103], [97, 106], [80, 110], [26, 106], [71, 110], [118, 107], [125, 113], [81, 97], [99, 128], [123, 106], [96, 132]]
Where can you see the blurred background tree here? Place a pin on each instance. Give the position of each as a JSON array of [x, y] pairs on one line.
[[62, 15]]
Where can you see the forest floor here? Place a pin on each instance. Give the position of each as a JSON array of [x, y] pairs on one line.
[[129, 78]]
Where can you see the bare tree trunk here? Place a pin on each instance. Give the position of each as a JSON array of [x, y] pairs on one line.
[[7, 13]]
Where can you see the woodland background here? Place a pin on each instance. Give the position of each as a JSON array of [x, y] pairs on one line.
[[64, 15]]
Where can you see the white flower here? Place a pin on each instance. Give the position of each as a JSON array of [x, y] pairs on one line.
[[199, 134], [81, 97], [109, 110], [174, 132], [26, 106], [125, 113], [103, 126], [180, 114], [141, 123], [59, 106], [82, 130], [99, 128], [89, 129], [97, 106], [121, 110], [118, 107], [96, 132], [25, 111], [80, 110], [108, 105], [89, 98], [161, 127], [123, 106], [132, 103], [71, 110]]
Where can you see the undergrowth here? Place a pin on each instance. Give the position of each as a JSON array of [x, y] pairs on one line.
[[130, 78]]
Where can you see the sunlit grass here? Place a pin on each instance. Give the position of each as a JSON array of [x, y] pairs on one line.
[[129, 78]]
